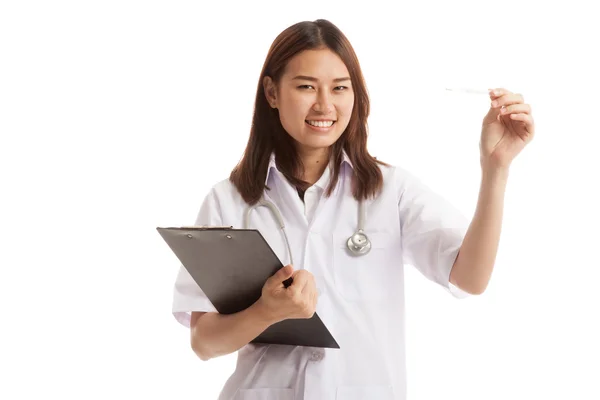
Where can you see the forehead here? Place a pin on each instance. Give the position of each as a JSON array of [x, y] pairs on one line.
[[322, 64]]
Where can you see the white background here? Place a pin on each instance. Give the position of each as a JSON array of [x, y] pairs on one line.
[[118, 116]]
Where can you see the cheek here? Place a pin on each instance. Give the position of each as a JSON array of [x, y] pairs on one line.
[[294, 110], [346, 107]]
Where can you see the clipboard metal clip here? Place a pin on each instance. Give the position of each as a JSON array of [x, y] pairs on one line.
[[200, 228]]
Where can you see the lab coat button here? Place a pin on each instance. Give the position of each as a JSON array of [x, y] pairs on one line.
[[316, 356]]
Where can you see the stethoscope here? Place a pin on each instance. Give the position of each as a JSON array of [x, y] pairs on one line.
[[358, 244]]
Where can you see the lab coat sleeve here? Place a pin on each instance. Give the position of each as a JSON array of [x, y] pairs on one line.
[[432, 230], [187, 295]]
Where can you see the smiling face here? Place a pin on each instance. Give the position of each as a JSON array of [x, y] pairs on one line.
[[314, 97]]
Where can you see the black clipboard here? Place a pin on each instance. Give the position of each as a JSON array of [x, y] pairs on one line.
[[231, 266]]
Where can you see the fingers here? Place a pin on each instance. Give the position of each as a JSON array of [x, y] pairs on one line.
[[516, 109], [304, 285], [509, 104], [310, 286], [498, 92], [302, 278], [526, 121], [507, 99], [522, 117], [308, 294], [302, 294]]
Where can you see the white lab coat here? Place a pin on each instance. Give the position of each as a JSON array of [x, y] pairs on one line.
[[361, 299]]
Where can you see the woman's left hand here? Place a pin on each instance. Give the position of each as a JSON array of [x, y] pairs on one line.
[[507, 128]]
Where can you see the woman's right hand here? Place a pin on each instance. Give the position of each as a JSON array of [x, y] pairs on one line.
[[297, 301]]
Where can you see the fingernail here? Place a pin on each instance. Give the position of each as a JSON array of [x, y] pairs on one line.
[[494, 103]]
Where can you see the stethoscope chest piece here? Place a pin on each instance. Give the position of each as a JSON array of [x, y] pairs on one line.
[[359, 244]]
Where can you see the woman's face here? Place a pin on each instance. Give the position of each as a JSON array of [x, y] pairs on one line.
[[314, 98]]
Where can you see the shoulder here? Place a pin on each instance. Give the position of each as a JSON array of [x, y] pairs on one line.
[[226, 194], [224, 189], [221, 199]]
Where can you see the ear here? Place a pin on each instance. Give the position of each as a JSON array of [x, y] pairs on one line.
[[270, 91]]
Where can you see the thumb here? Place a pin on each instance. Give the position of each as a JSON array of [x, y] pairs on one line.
[[493, 114], [284, 273], [281, 275]]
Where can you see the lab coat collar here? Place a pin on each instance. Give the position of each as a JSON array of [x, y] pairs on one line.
[[323, 181]]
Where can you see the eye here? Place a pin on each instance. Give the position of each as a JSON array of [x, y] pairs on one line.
[[341, 88], [305, 87]]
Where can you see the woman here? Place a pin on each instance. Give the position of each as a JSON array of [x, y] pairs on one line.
[[307, 155]]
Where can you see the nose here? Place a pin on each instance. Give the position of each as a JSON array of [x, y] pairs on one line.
[[323, 104]]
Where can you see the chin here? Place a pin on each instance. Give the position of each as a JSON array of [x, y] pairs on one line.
[[317, 143]]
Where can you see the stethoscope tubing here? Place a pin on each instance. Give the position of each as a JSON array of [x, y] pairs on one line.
[[358, 244]]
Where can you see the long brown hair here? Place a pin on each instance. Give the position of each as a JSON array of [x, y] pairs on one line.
[[267, 135]]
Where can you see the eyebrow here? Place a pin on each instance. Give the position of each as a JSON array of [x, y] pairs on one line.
[[312, 79]]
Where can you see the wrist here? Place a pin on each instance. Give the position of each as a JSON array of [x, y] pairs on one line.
[[493, 172], [494, 162], [262, 313]]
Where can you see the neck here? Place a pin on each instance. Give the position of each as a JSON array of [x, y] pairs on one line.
[[315, 161]]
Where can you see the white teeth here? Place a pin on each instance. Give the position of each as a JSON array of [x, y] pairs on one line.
[[321, 124]]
